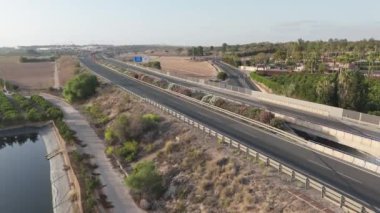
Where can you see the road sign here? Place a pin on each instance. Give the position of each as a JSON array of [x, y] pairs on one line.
[[138, 59]]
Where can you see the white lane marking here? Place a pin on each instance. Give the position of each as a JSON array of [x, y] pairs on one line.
[[351, 178], [340, 173], [318, 164]]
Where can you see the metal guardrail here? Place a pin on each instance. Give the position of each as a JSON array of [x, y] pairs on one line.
[[327, 192], [371, 167]]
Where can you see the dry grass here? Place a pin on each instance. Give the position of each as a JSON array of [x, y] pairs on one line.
[[67, 67], [186, 67], [27, 75]]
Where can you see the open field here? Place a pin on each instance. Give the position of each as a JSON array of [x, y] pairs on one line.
[[36, 75], [27, 75], [186, 67]]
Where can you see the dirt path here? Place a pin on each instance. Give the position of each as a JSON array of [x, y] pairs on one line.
[[56, 76], [115, 188]]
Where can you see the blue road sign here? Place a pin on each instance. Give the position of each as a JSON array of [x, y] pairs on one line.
[[138, 59]]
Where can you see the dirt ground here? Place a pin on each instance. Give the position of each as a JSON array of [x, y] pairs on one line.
[[186, 67], [66, 66], [36, 75], [27, 75], [205, 176]]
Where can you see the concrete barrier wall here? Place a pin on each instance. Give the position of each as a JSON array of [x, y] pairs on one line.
[[361, 143]]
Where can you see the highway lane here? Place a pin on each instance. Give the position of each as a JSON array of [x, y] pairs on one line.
[[346, 178], [302, 115], [236, 77]]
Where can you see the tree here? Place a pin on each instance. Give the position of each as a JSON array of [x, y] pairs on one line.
[[200, 51], [222, 76], [280, 55], [326, 90], [261, 58], [352, 90], [81, 87], [145, 179], [224, 47]]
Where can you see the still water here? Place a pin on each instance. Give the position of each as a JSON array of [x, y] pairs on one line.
[[24, 175]]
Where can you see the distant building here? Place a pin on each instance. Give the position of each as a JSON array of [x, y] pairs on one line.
[[299, 68], [259, 67]]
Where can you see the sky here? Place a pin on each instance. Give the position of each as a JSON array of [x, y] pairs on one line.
[[184, 22]]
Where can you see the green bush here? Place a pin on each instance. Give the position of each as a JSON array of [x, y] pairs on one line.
[[65, 131], [128, 151], [109, 150], [109, 136], [81, 87], [146, 180], [33, 115], [96, 114], [120, 127], [278, 123], [54, 113], [150, 121], [222, 76], [153, 64]]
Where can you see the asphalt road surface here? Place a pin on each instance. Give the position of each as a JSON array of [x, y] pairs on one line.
[[302, 115], [236, 77], [345, 178]]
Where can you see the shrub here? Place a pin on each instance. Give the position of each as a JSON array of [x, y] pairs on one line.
[[109, 150], [33, 115], [96, 114], [109, 135], [278, 123], [265, 117], [153, 64], [128, 151], [222, 76], [54, 113], [145, 179], [81, 87], [120, 126], [150, 121], [65, 131]]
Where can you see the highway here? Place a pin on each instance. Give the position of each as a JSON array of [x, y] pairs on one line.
[[347, 179], [236, 77], [299, 114]]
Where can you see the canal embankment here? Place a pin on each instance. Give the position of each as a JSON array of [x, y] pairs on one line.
[[65, 187]]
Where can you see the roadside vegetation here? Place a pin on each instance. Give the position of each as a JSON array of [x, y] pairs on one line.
[[80, 87], [175, 168], [222, 76], [348, 89], [153, 64], [28, 59]]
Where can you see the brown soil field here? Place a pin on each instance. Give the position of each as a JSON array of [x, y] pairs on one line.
[[185, 67], [36, 75], [27, 75], [66, 67]]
